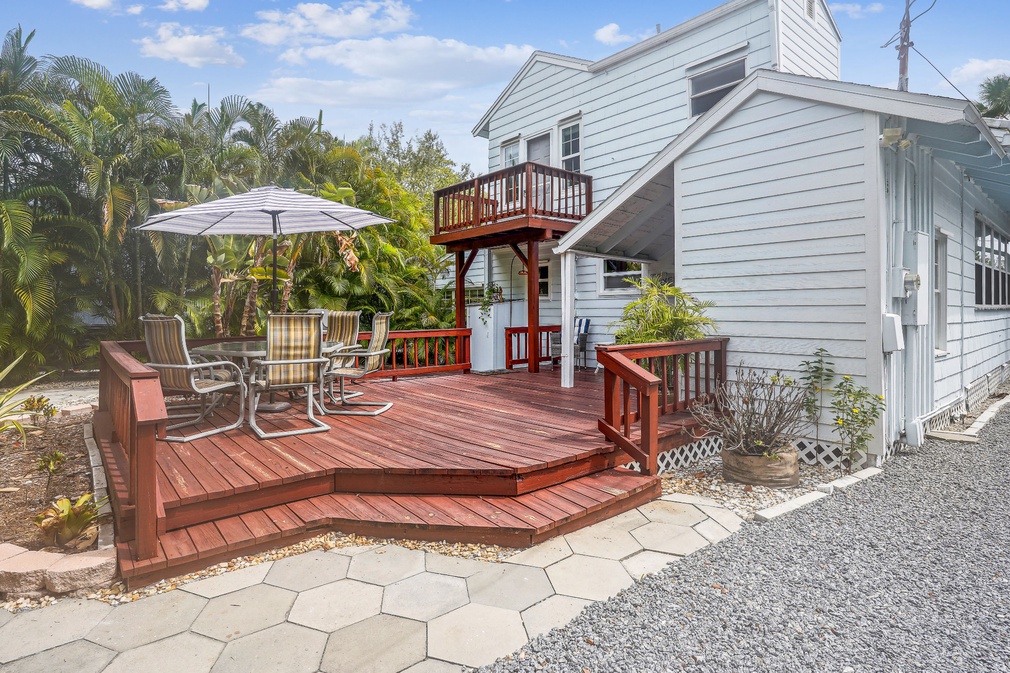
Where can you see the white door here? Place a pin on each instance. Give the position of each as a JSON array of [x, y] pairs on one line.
[[538, 150]]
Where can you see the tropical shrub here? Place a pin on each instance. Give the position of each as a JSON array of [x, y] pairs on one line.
[[10, 411], [69, 524], [662, 313]]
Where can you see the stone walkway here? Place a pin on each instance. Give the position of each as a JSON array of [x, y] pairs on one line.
[[356, 609]]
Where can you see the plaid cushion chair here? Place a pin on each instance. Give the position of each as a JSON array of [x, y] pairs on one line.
[[360, 363], [293, 362], [211, 382]]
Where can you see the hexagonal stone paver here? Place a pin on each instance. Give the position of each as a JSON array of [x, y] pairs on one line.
[[380, 644], [552, 613], [450, 565], [724, 517], [38, 630], [184, 652], [224, 583], [285, 648], [425, 596], [677, 513], [79, 656], [386, 565], [589, 577], [243, 612], [647, 563], [434, 666], [509, 586], [5, 617], [625, 520], [307, 571], [336, 605], [669, 539], [603, 541], [543, 554], [689, 499], [712, 531], [475, 635], [147, 620], [355, 549]]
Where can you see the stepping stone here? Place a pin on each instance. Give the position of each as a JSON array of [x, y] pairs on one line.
[[680, 514], [513, 587], [37, 630], [147, 620], [283, 648], [647, 563], [588, 577], [307, 571], [425, 596], [604, 542], [543, 554], [669, 538], [184, 652], [336, 605], [450, 565], [386, 565], [475, 635], [552, 613], [239, 613], [224, 583], [79, 656], [380, 644]]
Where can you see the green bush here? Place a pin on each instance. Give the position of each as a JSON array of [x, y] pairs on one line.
[[663, 313]]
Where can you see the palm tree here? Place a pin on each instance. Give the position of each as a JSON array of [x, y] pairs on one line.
[[994, 94]]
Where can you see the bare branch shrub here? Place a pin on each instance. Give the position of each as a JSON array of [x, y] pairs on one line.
[[755, 414]]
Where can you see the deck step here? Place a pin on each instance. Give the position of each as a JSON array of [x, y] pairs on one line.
[[514, 521]]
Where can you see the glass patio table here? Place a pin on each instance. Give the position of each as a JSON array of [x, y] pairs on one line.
[[253, 350]]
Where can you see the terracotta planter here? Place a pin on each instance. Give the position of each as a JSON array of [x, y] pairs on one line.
[[780, 472]]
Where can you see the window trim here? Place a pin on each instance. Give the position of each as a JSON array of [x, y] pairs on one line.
[[940, 291], [546, 265], [991, 295], [693, 95], [601, 275], [512, 142]]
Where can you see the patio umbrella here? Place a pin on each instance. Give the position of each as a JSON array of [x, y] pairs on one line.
[[264, 211]]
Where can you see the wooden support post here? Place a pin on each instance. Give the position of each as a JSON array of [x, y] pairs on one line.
[[650, 434], [533, 306], [460, 292], [568, 320], [146, 493]]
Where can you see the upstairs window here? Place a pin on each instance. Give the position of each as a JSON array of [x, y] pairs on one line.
[[992, 272], [708, 88], [510, 154], [615, 274], [571, 148]]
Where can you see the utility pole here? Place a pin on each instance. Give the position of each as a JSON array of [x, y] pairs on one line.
[[904, 43]]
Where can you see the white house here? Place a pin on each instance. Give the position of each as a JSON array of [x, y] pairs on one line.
[[607, 119], [870, 222]]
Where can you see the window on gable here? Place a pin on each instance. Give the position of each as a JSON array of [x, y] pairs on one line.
[[615, 274], [708, 88], [571, 148], [992, 271]]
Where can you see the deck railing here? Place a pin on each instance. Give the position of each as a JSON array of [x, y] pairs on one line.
[[517, 347], [130, 393], [643, 382], [423, 351], [526, 190]]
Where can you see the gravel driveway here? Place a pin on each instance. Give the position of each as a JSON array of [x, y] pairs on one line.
[[907, 571]]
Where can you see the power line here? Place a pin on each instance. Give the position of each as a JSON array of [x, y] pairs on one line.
[[942, 75]]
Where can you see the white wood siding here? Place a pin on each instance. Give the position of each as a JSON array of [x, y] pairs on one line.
[[632, 111], [978, 339], [772, 227], [807, 47]]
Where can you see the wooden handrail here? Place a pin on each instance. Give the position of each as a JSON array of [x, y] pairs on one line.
[[643, 382], [516, 348], [525, 190], [130, 392]]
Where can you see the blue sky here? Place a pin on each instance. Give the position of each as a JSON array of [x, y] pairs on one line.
[[439, 64]]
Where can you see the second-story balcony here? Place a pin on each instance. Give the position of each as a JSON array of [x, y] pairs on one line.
[[526, 202]]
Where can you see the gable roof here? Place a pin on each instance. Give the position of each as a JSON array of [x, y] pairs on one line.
[[983, 156], [482, 130]]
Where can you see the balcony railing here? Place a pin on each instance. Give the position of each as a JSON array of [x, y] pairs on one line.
[[524, 192], [516, 351]]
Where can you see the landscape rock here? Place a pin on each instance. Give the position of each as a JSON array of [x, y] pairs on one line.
[[94, 569], [26, 572]]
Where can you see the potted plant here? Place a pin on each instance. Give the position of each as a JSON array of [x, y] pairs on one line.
[[757, 415]]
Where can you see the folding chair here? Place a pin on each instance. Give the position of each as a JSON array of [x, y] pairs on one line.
[[363, 361]]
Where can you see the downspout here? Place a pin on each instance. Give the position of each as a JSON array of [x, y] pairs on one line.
[[961, 274], [773, 13]]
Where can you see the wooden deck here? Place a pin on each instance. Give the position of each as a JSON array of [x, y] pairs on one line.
[[511, 459]]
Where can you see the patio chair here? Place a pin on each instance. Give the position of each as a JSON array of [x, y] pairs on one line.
[[354, 363], [210, 381], [293, 362], [580, 345], [343, 326]]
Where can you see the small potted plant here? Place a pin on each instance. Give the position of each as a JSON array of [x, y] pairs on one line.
[[757, 415]]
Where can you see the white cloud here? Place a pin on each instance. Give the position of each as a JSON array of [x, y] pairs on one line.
[[178, 43], [611, 35], [855, 10], [412, 59], [976, 70], [95, 4], [134, 9], [188, 5], [313, 22]]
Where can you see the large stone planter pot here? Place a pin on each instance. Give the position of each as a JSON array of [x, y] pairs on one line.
[[780, 472]]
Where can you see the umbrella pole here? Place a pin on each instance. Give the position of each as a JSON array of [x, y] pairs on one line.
[[273, 290]]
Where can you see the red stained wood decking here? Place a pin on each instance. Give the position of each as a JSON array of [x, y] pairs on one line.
[[510, 459]]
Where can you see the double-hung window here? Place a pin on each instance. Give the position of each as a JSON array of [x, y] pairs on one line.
[[571, 147], [711, 86], [992, 272], [509, 158], [545, 280], [940, 292]]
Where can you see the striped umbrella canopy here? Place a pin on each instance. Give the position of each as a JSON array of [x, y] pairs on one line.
[[264, 211]]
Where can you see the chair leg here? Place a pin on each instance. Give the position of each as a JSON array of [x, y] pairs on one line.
[[343, 401], [310, 403], [206, 411]]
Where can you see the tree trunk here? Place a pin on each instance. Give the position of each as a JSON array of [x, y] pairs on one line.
[[215, 281], [249, 310]]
